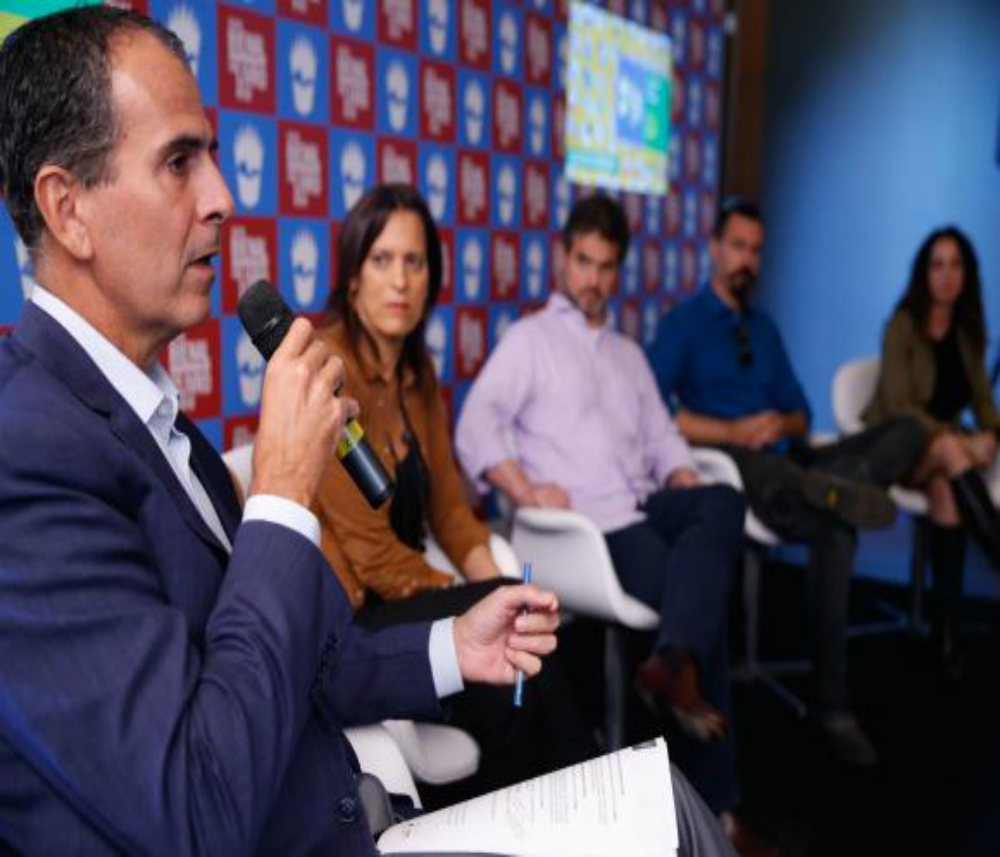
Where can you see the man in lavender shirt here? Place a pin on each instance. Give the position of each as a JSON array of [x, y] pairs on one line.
[[566, 414]]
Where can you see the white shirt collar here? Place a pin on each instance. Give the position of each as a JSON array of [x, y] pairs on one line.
[[153, 395]]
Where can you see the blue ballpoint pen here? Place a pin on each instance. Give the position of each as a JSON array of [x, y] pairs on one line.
[[519, 681]]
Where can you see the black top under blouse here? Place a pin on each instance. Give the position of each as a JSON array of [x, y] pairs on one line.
[[952, 392]]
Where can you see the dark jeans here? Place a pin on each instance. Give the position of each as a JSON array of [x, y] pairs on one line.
[[773, 485], [681, 561], [548, 732]]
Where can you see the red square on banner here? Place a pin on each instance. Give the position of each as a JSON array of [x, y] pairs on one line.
[[692, 157], [696, 44], [630, 320], [652, 265], [397, 23], [437, 101], [141, 6], [352, 83], [447, 265], [713, 105], [659, 18], [672, 208], [397, 160], [561, 8], [475, 47], [303, 167], [677, 102], [632, 203], [505, 265], [314, 12], [249, 253], [706, 213], [537, 188], [239, 431], [508, 115], [537, 49], [473, 188], [193, 361], [470, 341], [689, 267], [246, 61], [559, 126]]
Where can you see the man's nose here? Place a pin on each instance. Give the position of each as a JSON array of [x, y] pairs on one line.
[[217, 201]]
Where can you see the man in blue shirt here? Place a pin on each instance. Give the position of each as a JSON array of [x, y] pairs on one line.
[[722, 365]]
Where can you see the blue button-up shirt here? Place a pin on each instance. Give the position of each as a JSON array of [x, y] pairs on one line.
[[696, 359]]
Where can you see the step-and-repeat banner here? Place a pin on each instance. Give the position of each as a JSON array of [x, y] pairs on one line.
[[316, 100]]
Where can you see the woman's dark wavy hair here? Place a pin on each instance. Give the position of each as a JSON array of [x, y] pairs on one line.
[[968, 314], [359, 231]]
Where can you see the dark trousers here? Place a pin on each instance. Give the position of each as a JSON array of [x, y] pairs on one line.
[[548, 731], [681, 561], [773, 485]]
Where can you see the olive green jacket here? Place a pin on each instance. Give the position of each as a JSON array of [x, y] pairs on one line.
[[907, 376]]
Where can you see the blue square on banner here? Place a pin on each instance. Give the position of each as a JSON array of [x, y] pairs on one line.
[[248, 153], [303, 73], [396, 92], [537, 122], [242, 370], [508, 39], [562, 199], [502, 316], [352, 169], [194, 22], [505, 195], [256, 5], [355, 18], [439, 28], [212, 429], [472, 253], [15, 277], [543, 6], [560, 51], [437, 181], [439, 336], [474, 110], [535, 266], [304, 263]]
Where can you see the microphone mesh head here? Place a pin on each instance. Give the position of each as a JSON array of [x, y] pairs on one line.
[[265, 316]]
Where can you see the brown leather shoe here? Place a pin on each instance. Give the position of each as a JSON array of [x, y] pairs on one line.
[[746, 841], [672, 689]]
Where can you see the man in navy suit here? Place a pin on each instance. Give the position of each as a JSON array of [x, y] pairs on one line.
[[176, 677]]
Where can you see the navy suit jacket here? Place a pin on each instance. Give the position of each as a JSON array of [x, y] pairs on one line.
[[156, 694]]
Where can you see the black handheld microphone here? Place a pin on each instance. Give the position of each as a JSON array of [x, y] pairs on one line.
[[266, 318]]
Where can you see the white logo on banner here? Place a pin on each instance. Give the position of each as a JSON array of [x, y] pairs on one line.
[[305, 169], [250, 259], [248, 154], [680, 32], [505, 267], [399, 17], [506, 194], [537, 125], [471, 342], [250, 364], [473, 184], [508, 43], [508, 117], [353, 87], [396, 167], [191, 368], [353, 171], [534, 262], [670, 265], [436, 338], [653, 214], [561, 202], [437, 185], [538, 52], [632, 269], [437, 25], [184, 24], [354, 14], [562, 50], [690, 214], [472, 266], [536, 196], [474, 101], [247, 60], [474, 29], [397, 87], [302, 63], [305, 263], [24, 268], [437, 101]]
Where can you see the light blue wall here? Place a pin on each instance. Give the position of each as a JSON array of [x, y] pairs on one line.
[[881, 124]]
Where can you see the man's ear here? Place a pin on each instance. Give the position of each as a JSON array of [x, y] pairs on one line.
[[57, 195]]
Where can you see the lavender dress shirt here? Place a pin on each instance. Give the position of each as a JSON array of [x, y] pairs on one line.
[[575, 405]]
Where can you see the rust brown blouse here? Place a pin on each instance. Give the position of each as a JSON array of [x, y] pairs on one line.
[[357, 540]]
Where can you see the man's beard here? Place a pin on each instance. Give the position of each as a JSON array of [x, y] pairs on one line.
[[741, 286]]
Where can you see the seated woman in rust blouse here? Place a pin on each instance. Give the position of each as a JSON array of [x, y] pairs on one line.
[[389, 271]]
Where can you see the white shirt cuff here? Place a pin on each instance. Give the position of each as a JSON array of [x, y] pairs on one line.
[[287, 513], [444, 659]]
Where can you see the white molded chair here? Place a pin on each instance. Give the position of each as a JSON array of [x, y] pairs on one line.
[[379, 754], [434, 753]]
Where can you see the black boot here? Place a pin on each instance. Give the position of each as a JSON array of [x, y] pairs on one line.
[[947, 549], [979, 514]]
